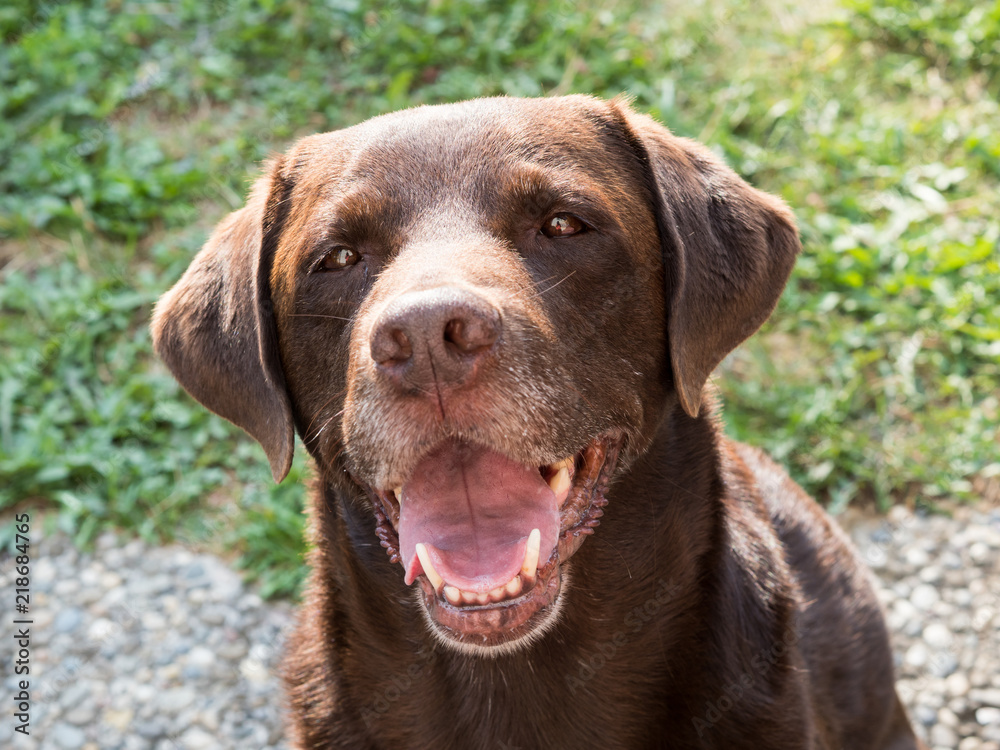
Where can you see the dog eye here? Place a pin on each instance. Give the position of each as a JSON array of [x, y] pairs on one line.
[[338, 258], [562, 225]]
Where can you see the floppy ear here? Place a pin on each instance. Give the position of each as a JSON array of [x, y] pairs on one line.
[[727, 252], [215, 328]]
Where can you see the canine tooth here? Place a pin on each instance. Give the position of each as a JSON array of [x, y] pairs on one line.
[[530, 565], [425, 561], [452, 594], [514, 586], [565, 463], [398, 491], [560, 482]]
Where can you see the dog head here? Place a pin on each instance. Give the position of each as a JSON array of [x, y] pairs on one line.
[[480, 312]]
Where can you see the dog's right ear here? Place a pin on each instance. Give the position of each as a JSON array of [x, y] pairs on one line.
[[215, 328]]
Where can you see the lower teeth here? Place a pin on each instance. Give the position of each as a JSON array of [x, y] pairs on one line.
[[458, 597]]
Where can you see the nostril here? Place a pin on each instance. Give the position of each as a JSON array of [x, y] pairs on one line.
[[390, 345], [453, 333], [403, 350], [473, 332]]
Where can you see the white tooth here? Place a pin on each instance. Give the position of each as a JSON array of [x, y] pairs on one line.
[[560, 482], [399, 493], [452, 594], [497, 594], [425, 561], [482, 598], [566, 462], [530, 566], [469, 597], [513, 587]]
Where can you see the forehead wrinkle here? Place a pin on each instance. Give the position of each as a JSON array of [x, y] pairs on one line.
[[530, 190], [363, 199], [356, 211], [528, 181]]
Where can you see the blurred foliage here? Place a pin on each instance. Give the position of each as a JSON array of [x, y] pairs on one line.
[[129, 128], [955, 36]]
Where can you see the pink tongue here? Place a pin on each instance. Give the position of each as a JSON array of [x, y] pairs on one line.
[[474, 509]]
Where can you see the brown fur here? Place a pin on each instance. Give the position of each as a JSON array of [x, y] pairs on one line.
[[716, 606]]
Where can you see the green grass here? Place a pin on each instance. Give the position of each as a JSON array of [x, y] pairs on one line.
[[130, 128]]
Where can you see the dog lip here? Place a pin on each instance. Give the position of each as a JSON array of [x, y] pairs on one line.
[[497, 623]]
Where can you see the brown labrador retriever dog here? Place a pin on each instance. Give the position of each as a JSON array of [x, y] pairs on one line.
[[492, 323]]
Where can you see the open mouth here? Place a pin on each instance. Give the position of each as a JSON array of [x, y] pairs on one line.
[[486, 538]]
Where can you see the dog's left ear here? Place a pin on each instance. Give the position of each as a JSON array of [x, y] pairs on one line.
[[727, 251], [215, 328]]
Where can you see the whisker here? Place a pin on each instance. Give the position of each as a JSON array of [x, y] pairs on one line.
[[317, 315], [549, 289], [336, 395], [314, 434]]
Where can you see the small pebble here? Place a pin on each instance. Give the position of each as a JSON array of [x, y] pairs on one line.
[[943, 735], [924, 596], [937, 635], [986, 696], [197, 739], [988, 716], [118, 719], [957, 684], [67, 737], [67, 620], [172, 701], [917, 655]]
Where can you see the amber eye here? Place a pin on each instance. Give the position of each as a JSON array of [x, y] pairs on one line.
[[338, 258], [562, 225]]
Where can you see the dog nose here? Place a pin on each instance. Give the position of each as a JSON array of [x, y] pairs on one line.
[[437, 336]]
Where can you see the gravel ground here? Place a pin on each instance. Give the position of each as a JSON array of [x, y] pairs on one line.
[[136, 647]]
